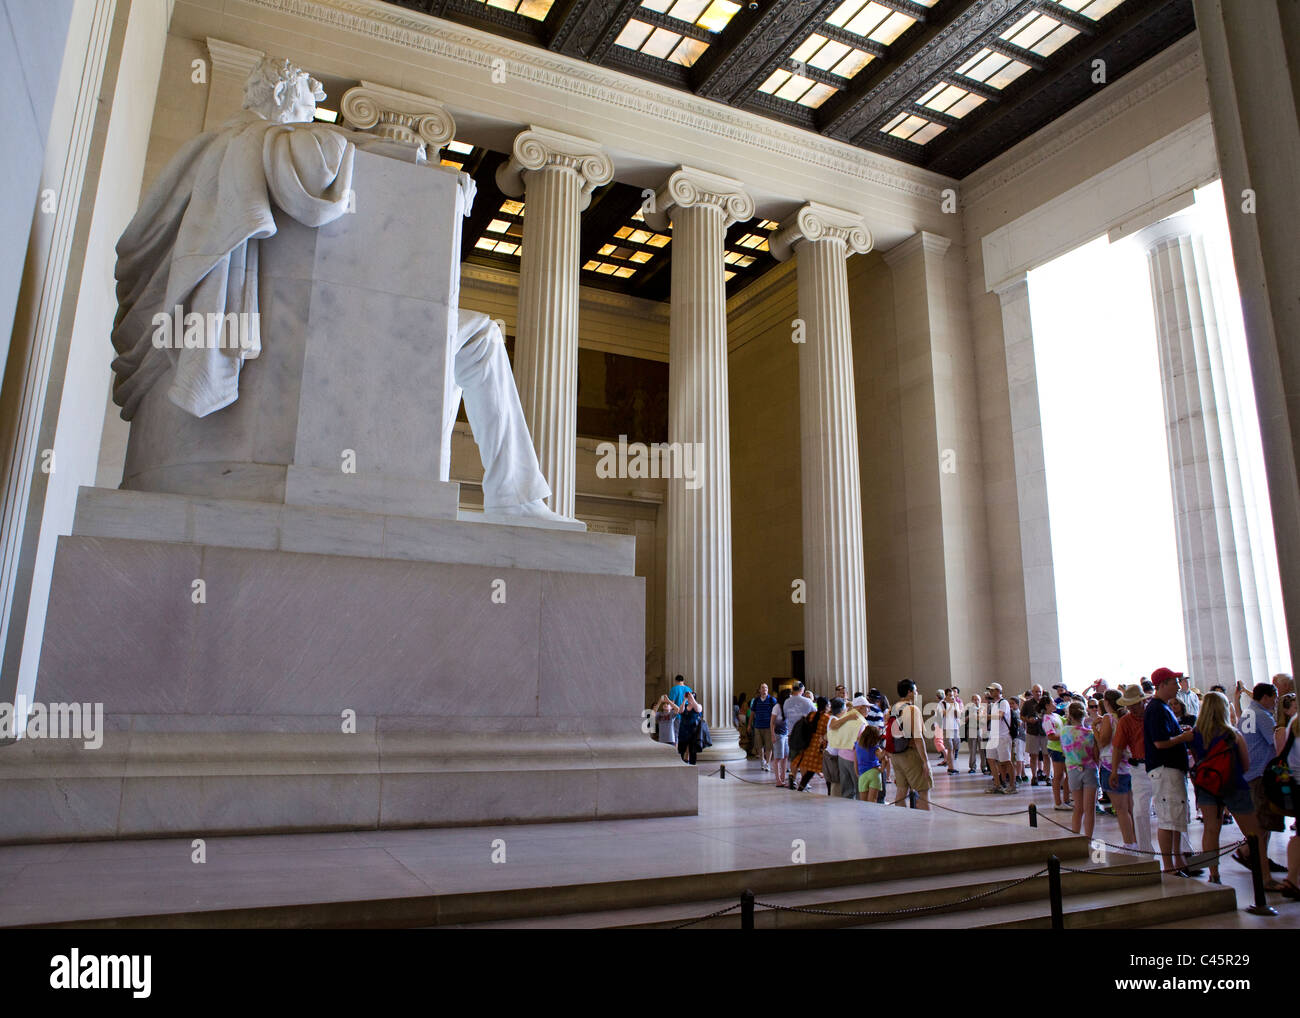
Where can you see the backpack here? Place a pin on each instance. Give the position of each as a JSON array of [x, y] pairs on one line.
[[1279, 783], [895, 741], [1013, 725], [802, 734], [779, 727], [1213, 771]]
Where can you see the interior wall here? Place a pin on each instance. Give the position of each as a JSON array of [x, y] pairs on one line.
[[1149, 104], [766, 514], [884, 493]]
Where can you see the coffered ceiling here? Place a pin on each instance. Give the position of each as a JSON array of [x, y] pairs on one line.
[[943, 84]]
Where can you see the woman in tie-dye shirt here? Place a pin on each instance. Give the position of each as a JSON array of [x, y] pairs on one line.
[[1079, 746]]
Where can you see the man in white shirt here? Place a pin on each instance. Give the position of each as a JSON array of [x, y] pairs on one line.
[[1001, 749]]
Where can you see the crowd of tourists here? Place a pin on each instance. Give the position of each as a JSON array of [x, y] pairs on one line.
[[1129, 752]]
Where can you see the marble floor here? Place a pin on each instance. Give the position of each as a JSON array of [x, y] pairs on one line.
[[745, 825]]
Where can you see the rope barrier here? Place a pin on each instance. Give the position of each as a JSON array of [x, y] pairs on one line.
[[915, 910], [711, 915]]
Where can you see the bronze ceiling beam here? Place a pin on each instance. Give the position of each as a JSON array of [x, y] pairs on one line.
[[916, 55], [1136, 31], [767, 44]]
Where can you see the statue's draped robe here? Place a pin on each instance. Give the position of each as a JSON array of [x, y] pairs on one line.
[[194, 243]]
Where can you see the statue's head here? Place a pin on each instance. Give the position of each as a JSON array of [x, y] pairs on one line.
[[282, 93]]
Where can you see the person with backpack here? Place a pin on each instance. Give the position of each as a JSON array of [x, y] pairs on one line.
[[905, 744], [1221, 760], [780, 738], [1002, 738], [1257, 729], [1290, 756], [811, 734]]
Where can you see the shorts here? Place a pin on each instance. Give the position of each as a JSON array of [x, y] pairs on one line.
[[1238, 801], [780, 747], [1035, 744], [1125, 783], [1056, 756], [911, 773], [1169, 796], [1081, 778], [1265, 812], [871, 779], [1000, 751], [762, 738]]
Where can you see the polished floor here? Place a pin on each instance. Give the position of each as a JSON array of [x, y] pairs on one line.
[[745, 825]]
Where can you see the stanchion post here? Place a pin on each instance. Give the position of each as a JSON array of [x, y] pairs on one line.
[[1033, 815], [747, 910], [1054, 892], [1261, 906], [722, 769]]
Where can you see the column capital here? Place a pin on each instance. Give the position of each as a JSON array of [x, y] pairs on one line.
[[231, 58], [1012, 288], [687, 187], [540, 147], [923, 242], [1175, 227], [815, 222], [399, 116]]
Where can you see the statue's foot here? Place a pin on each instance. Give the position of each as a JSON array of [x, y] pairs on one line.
[[534, 514]]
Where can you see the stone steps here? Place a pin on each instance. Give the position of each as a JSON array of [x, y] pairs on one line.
[[1143, 906], [876, 895], [1111, 895]]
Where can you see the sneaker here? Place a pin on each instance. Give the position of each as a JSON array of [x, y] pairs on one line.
[[1034, 783], [951, 770], [1063, 808], [1013, 789], [993, 790], [971, 771], [1000, 790]]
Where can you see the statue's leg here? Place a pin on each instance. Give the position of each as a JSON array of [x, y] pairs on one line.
[[510, 473]]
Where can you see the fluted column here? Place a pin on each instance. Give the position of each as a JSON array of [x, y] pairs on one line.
[[700, 206], [835, 614], [558, 173], [1221, 596]]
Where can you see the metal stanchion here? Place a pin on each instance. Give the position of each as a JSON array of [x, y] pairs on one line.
[[722, 771], [746, 910], [1033, 815], [1054, 892], [1257, 864]]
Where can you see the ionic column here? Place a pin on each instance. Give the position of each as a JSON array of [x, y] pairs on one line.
[[700, 207], [835, 614], [403, 117], [1221, 607], [558, 172]]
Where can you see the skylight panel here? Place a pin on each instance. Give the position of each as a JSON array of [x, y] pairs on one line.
[[1029, 30], [534, 9], [1054, 40], [891, 28], [910, 127]]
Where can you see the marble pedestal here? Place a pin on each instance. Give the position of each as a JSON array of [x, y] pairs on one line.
[[491, 674]]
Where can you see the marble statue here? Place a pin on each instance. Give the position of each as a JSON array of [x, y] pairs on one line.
[[187, 273]]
